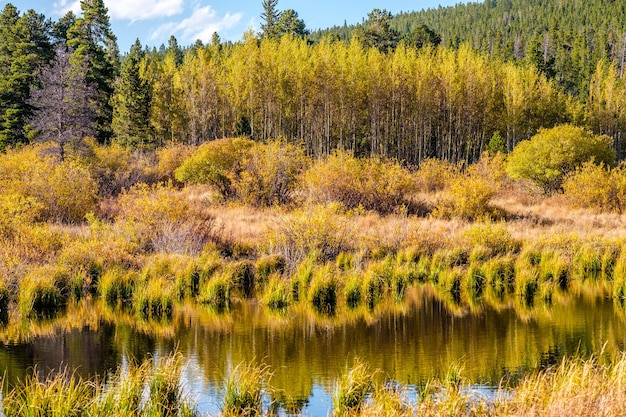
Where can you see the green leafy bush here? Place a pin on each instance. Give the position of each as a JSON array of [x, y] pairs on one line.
[[217, 163], [553, 153]]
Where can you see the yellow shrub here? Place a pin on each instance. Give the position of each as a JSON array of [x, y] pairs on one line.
[[115, 167], [597, 187], [470, 194], [216, 163], [435, 175], [321, 230], [373, 184], [270, 173], [169, 159], [65, 190], [160, 218]]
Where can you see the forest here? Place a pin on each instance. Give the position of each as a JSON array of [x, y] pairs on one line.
[[408, 97]]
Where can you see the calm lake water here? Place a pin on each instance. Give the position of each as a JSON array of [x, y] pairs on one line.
[[409, 343]]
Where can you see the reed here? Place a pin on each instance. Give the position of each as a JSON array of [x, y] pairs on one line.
[[243, 390], [154, 298], [269, 265], [352, 290], [117, 286], [44, 290], [60, 394], [242, 276], [500, 275], [587, 263], [351, 389], [216, 292], [276, 295], [323, 291]]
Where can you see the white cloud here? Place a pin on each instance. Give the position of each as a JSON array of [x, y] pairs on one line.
[[143, 9], [63, 6], [132, 10], [202, 23]]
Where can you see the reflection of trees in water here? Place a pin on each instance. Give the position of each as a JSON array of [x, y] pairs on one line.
[[409, 343]]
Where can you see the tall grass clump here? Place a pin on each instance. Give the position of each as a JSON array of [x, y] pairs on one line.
[[619, 277], [500, 274], [352, 388], [60, 394], [243, 390], [587, 262], [122, 393], [154, 298], [353, 290], [216, 292], [117, 286], [242, 275], [446, 259], [165, 394], [269, 265], [44, 290], [323, 291], [277, 294], [492, 237]]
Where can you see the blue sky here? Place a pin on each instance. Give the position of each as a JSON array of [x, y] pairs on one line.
[[153, 21]]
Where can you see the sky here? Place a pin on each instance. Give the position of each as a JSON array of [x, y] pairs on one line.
[[154, 21]]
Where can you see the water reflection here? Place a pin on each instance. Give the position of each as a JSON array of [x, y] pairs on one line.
[[410, 342]]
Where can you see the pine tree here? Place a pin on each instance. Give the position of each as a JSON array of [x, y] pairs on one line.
[[92, 40], [24, 46], [289, 23], [270, 17], [131, 102]]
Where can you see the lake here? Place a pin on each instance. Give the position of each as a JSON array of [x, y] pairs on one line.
[[409, 342]]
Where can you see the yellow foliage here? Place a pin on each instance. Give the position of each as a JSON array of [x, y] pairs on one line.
[[270, 173], [470, 193], [160, 218], [373, 183], [321, 230], [435, 175], [64, 190], [597, 187]]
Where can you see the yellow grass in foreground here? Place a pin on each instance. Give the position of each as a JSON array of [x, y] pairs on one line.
[[574, 388]]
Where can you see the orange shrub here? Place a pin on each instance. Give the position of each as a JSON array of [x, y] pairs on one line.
[[597, 187], [435, 174]]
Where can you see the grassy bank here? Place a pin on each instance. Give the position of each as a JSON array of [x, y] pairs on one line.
[[574, 387], [335, 234]]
